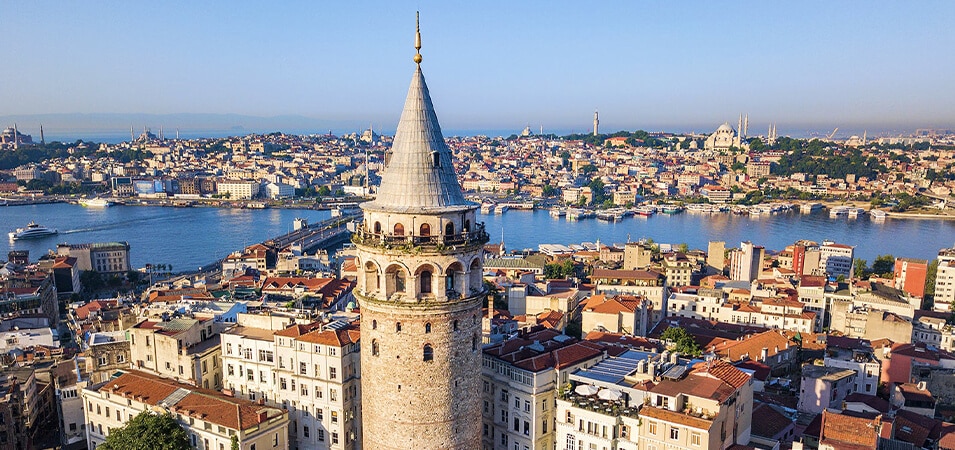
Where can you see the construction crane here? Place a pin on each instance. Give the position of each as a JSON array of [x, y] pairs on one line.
[[829, 137]]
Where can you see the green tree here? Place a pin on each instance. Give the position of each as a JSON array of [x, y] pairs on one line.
[[92, 281], [860, 267], [682, 341], [883, 265], [148, 431]]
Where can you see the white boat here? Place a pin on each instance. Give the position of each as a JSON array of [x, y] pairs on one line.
[[32, 231], [96, 202], [854, 212], [878, 214], [807, 208], [556, 212], [487, 208], [839, 211], [501, 209]]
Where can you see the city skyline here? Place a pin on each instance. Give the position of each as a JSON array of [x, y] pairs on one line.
[[299, 67]]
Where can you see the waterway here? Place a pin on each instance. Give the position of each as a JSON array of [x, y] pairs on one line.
[[189, 237]]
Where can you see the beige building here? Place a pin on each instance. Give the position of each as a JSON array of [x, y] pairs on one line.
[[648, 284], [210, 418], [103, 257], [183, 349], [237, 190], [625, 314], [636, 255]]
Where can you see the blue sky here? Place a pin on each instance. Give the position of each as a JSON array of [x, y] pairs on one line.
[[489, 65]]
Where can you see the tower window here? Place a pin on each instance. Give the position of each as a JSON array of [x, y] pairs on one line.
[[436, 159], [449, 228], [377, 227], [374, 324], [455, 325], [427, 327], [374, 347], [425, 282], [397, 327], [399, 229], [425, 230], [428, 352]]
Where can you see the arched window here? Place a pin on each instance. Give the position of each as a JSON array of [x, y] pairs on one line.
[[427, 327], [374, 324], [425, 281], [374, 347], [399, 281], [397, 327], [467, 225], [428, 352], [377, 227], [399, 229], [425, 230], [455, 326], [449, 229], [473, 343]]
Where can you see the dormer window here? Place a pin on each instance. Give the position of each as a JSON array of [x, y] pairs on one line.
[[436, 159]]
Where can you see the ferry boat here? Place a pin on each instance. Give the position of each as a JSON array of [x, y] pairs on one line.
[[557, 212], [32, 231], [854, 212], [672, 209], [487, 208], [807, 208], [839, 211], [646, 210], [877, 214], [96, 202], [501, 209]]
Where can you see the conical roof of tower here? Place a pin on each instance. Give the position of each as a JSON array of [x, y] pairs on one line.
[[420, 176]]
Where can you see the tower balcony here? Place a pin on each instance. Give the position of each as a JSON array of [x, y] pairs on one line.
[[443, 244]]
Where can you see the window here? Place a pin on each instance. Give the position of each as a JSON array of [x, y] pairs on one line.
[[335, 438], [674, 433], [332, 373], [230, 369], [427, 327], [425, 281], [428, 352], [321, 435], [305, 431], [302, 368], [374, 347], [249, 375], [425, 230], [695, 439], [265, 355], [399, 229], [527, 428], [374, 324], [275, 440], [282, 383], [120, 358], [651, 427], [334, 416], [397, 327]]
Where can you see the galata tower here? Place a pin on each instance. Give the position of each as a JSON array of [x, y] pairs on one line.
[[420, 290]]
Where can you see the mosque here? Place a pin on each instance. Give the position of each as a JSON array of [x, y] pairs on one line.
[[725, 136]]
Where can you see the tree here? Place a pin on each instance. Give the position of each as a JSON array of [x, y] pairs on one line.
[[860, 267], [148, 431], [682, 341], [91, 280], [883, 265]]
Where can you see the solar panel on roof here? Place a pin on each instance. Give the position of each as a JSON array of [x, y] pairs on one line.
[[175, 397], [675, 373]]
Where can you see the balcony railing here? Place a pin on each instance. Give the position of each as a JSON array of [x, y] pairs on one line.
[[439, 243]]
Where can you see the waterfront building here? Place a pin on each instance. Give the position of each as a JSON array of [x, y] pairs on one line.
[[420, 287], [237, 189], [211, 419], [180, 348], [108, 258]]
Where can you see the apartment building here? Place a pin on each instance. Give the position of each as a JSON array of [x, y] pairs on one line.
[[103, 257], [836, 259], [312, 370], [181, 348], [705, 406], [648, 284], [210, 418], [521, 377]]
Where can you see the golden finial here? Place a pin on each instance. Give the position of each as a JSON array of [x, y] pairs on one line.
[[417, 39]]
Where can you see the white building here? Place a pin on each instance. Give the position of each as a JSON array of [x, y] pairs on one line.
[[237, 190], [836, 259], [210, 418], [279, 190]]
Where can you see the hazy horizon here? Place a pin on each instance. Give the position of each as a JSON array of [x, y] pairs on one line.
[[809, 67]]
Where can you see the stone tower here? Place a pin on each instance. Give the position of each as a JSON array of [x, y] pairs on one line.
[[420, 289]]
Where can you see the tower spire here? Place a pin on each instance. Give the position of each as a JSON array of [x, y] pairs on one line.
[[417, 39]]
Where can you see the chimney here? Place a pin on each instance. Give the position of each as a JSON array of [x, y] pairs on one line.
[[263, 416], [764, 354]]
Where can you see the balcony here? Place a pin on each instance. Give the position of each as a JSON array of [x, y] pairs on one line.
[[416, 244]]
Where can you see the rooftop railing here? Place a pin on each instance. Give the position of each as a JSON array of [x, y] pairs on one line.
[[438, 243]]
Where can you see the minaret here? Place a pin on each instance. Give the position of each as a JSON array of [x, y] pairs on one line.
[[746, 126], [42, 138], [131, 135], [16, 137], [420, 287], [596, 122]]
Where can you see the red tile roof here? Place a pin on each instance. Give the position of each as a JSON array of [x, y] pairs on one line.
[[849, 433]]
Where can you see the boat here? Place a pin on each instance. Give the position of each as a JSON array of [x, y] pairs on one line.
[[807, 208], [487, 208], [672, 209], [557, 212], [610, 216], [839, 211], [646, 210], [878, 214], [501, 209], [854, 212], [96, 202], [32, 231]]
